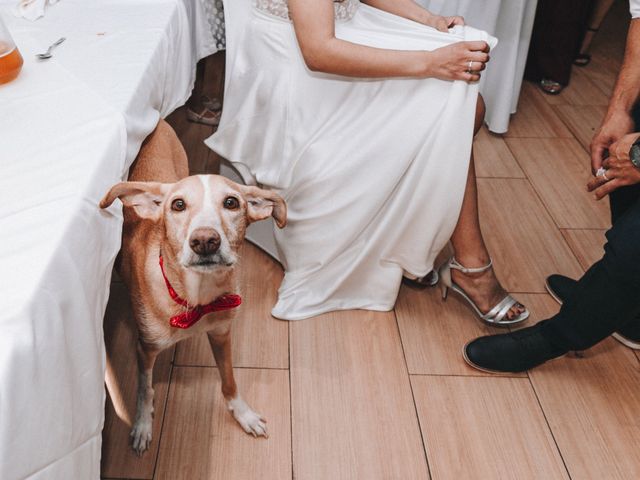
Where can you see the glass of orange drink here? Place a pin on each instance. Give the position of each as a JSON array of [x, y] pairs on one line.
[[10, 58]]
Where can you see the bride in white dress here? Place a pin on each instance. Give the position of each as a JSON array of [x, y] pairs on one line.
[[361, 115]]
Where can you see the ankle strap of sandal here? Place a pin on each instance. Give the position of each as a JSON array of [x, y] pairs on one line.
[[458, 266]]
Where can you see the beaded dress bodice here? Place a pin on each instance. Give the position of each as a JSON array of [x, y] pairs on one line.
[[344, 10], [215, 17]]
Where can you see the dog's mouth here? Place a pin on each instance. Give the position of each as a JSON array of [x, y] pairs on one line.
[[210, 262]]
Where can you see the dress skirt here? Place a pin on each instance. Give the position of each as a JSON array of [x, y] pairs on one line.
[[373, 170]]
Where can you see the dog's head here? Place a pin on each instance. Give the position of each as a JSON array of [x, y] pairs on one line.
[[204, 216]]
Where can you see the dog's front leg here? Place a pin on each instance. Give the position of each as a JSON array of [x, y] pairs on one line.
[[143, 426], [250, 421]]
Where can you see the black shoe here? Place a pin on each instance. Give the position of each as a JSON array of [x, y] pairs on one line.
[[513, 352], [560, 287], [429, 280]]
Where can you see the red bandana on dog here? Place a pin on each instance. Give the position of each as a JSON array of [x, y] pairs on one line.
[[193, 314]]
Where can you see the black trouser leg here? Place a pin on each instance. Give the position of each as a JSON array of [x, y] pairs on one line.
[[557, 32], [607, 297], [622, 200]]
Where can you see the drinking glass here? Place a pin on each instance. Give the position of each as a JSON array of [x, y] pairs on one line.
[[10, 58]]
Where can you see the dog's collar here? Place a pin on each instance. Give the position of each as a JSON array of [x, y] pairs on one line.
[[193, 314]]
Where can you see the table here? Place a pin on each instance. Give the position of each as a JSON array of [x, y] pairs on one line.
[[511, 21], [69, 129]]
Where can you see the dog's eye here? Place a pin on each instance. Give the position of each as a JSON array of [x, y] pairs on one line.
[[178, 205], [231, 203]]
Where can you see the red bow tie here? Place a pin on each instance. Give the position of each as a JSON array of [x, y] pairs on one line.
[[193, 314]]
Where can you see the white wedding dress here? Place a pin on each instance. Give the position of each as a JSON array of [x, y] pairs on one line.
[[373, 170]]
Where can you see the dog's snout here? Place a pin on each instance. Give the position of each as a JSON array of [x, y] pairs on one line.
[[204, 241]]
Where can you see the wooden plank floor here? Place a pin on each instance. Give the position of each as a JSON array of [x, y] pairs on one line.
[[364, 395]]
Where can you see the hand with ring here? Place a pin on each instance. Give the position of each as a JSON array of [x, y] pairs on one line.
[[617, 170], [602, 172], [458, 61], [470, 68]]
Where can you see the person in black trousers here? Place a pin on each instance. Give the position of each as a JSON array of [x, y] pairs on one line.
[[558, 29], [606, 299]]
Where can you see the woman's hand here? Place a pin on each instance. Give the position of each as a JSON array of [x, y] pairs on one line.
[[443, 24], [458, 61], [411, 10]]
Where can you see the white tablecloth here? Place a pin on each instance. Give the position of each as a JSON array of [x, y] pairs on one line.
[[511, 21], [69, 128]]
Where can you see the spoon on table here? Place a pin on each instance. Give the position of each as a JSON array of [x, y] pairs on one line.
[[48, 54]]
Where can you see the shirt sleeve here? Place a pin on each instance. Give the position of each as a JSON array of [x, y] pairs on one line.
[[635, 8]]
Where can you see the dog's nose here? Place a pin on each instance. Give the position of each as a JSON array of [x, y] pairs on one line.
[[204, 241]]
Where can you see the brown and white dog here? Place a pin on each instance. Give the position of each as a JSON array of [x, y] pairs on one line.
[[179, 251]]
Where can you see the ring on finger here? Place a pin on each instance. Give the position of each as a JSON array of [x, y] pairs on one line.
[[470, 67], [602, 172]]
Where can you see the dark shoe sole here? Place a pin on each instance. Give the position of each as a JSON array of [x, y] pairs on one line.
[[626, 342], [551, 292]]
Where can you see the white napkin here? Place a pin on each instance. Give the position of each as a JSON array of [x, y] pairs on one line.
[[33, 9]]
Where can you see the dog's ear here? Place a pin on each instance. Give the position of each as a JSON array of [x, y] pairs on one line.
[[145, 197], [263, 204]]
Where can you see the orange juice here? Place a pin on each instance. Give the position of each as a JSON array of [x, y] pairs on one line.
[[10, 62]]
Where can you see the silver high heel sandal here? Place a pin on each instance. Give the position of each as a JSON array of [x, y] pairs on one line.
[[497, 316]]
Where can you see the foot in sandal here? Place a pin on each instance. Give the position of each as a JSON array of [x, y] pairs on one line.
[[481, 290], [204, 116], [213, 104], [582, 59], [550, 87], [206, 112]]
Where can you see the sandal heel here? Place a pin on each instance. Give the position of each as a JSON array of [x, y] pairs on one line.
[[444, 272]]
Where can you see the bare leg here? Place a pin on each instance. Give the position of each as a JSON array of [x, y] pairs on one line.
[[467, 238], [141, 431], [194, 101], [600, 10], [197, 111], [250, 421], [469, 247]]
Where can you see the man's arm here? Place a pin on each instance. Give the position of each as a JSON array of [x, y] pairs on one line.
[[618, 121], [627, 89]]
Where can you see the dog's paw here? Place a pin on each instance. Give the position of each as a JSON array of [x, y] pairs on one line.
[[250, 421], [141, 434], [253, 423]]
